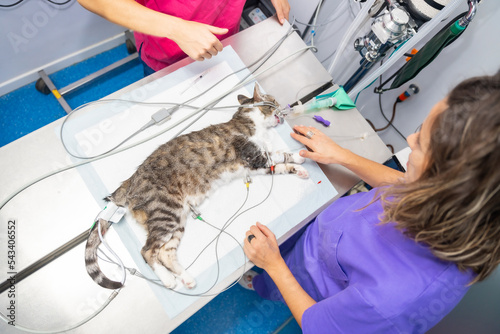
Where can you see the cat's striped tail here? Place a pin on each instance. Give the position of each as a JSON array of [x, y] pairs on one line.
[[91, 259]]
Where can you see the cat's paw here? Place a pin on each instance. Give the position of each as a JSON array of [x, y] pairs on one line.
[[298, 159], [166, 277], [301, 172], [188, 280]]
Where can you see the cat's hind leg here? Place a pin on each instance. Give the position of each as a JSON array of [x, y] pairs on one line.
[[260, 162], [282, 168], [150, 253], [167, 255], [291, 169]]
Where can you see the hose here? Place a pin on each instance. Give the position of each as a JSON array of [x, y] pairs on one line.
[[358, 22], [426, 29]]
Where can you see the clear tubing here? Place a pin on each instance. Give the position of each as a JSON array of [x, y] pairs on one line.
[[315, 105], [358, 21], [428, 27], [314, 23]]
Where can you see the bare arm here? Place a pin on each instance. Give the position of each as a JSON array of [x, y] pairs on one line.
[[197, 40], [264, 252], [326, 151]]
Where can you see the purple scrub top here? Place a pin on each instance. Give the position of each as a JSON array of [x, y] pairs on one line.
[[366, 277]]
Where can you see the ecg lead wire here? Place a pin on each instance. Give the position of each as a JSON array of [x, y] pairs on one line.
[[177, 106]]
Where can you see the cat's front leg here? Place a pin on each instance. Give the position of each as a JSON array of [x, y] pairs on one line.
[[286, 158], [281, 163], [286, 163]]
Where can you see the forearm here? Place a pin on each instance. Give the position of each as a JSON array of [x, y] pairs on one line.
[[371, 172], [132, 15], [264, 252], [297, 299], [326, 151]]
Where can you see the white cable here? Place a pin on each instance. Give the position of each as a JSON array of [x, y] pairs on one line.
[[355, 25], [426, 28], [160, 104], [30, 330], [313, 32], [104, 242], [137, 273], [336, 13], [274, 65], [267, 54]]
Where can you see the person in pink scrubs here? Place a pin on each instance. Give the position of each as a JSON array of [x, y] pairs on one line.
[[168, 30]]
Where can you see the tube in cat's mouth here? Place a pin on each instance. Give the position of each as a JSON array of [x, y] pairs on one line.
[[280, 115]]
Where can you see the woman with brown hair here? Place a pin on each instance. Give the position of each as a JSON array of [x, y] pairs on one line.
[[398, 258]]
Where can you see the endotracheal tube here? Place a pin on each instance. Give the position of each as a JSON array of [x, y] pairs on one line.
[[300, 109]]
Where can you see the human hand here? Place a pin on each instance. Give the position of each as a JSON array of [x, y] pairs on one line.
[[262, 250], [324, 149], [282, 9], [198, 40]]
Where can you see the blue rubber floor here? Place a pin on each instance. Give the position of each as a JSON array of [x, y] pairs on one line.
[[24, 110]]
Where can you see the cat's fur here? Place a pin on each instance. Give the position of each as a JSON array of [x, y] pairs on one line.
[[181, 173]]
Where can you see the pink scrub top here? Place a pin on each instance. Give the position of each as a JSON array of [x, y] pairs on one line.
[[159, 52]]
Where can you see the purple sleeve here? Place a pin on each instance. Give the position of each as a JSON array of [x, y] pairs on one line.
[[345, 312]]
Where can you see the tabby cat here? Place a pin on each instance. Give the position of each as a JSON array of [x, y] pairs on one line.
[[180, 174]]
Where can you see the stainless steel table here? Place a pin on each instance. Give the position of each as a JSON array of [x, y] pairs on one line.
[[51, 212]]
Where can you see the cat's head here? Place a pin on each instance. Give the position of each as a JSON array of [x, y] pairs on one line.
[[265, 109]]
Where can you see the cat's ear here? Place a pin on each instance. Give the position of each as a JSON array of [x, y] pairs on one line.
[[242, 99], [257, 95]]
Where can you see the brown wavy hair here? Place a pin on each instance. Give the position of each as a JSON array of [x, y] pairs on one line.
[[454, 206]]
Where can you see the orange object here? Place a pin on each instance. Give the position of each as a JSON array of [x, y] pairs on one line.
[[414, 51]]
